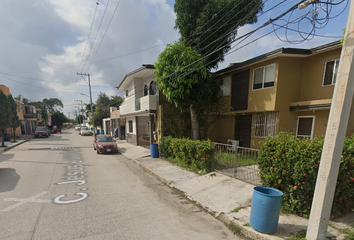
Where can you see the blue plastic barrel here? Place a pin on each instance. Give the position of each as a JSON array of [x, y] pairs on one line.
[[102, 132], [265, 210], [98, 131], [154, 148]]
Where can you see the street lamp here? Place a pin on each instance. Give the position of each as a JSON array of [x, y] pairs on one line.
[[89, 83]]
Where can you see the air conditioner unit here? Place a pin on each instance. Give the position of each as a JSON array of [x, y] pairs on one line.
[[234, 144]]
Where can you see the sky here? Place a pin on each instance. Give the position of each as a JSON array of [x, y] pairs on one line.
[[45, 43]]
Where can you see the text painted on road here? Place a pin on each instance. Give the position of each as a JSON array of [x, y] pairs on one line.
[[74, 175]]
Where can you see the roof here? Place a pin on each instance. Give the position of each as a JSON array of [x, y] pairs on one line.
[[140, 72], [300, 52]]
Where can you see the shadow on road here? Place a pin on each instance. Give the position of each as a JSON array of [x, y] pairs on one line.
[[6, 156], [8, 179]]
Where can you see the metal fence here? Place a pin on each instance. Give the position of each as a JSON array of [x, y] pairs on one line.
[[237, 162]]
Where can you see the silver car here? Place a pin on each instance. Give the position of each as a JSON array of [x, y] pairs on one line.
[[84, 131]]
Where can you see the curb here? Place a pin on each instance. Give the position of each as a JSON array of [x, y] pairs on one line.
[[8, 148]]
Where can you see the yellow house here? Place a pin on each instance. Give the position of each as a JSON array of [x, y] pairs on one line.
[[288, 89]]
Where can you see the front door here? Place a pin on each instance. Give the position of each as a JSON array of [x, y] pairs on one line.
[[243, 128]]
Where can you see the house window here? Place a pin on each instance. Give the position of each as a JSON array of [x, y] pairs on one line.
[[224, 87], [130, 126], [264, 124], [305, 126], [146, 92], [330, 72], [263, 77], [126, 93], [152, 88]]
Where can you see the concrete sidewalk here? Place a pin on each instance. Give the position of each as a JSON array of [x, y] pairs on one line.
[[10, 144], [226, 198]]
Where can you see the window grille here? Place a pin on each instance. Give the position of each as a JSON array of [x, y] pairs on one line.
[[264, 124]]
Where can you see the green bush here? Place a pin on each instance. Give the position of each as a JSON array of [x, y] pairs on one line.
[[196, 155], [291, 165]]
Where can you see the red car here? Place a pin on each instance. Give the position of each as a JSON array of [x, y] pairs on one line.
[[105, 144], [41, 132]]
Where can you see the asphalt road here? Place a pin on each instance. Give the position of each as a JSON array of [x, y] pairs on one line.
[[59, 188]]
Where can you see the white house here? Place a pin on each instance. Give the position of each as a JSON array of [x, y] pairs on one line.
[[141, 100]]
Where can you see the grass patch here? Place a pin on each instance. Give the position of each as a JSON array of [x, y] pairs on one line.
[[299, 236], [230, 159], [349, 235], [236, 209], [246, 225], [234, 229]]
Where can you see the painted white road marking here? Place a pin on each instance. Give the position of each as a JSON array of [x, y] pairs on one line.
[[22, 201]]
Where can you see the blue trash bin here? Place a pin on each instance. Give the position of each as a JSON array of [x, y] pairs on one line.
[[154, 148], [7, 137], [98, 131], [102, 132], [265, 210]]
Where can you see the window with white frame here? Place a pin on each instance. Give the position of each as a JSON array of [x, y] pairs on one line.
[[224, 86], [330, 72], [264, 77], [305, 126], [264, 124], [130, 126]]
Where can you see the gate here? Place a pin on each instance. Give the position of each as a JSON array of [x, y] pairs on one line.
[[237, 162]]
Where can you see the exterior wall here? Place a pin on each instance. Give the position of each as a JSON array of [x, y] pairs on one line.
[[5, 90], [130, 136], [311, 88], [225, 129], [289, 90], [174, 122], [261, 100]]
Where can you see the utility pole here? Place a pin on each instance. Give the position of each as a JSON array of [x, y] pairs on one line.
[[334, 139], [82, 120], [89, 83]]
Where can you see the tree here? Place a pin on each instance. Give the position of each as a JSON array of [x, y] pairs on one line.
[[188, 87], [14, 120], [53, 104], [4, 116], [102, 106], [58, 118], [207, 25]]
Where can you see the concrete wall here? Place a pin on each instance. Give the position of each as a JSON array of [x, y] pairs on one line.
[[311, 88]]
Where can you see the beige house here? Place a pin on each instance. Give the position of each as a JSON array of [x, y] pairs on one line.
[[288, 89]]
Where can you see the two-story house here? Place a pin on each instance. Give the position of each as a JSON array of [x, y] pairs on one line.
[[31, 118], [141, 100], [288, 89]]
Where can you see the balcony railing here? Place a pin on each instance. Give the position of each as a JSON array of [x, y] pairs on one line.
[[30, 115], [145, 103]]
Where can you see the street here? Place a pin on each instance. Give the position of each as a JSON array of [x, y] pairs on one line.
[[59, 188]]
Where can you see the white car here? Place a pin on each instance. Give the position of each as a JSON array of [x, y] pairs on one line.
[[84, 131], [77, 127]]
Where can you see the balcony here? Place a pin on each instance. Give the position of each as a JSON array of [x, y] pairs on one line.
[[146, 103], [30, 115]]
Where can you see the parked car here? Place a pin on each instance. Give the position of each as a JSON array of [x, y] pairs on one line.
[[84, 131], [105, 144], [78, 127], [41, 132]]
